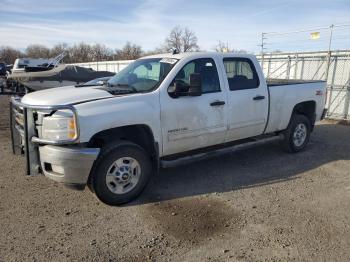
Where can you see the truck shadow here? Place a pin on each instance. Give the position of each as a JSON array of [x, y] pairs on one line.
[[258, 166]]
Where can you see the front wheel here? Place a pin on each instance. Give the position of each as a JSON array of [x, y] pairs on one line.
[[297, 135], [120, 173]]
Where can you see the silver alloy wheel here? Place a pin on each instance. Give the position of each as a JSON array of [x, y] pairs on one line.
[[299, 135], [123, 175]]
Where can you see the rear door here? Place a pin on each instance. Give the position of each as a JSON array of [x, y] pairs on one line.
[[191, 122], [247, 99]]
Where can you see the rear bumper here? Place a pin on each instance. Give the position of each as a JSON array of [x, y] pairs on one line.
[[70, 165]]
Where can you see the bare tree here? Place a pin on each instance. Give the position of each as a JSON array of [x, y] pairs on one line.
[[8, 54], [158, 50], [181, 39], [101, 52], [173, 41], [59, 49], [129, 52], [189, 40], [37, 51], [240, 51], [224, 48], [80, 53]]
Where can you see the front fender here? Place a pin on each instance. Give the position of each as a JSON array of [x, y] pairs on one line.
[[135, 109]]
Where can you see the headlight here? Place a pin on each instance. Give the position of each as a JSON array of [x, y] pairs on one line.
[[61, 126]]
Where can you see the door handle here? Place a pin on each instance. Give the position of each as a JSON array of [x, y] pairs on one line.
[[217, 103], [259, 98]]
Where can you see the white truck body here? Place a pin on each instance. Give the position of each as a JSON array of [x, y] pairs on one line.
[[182, 124]]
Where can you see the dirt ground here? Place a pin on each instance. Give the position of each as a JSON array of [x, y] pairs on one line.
[[259, 204]]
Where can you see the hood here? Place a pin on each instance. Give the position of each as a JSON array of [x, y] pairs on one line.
[[65, 95]]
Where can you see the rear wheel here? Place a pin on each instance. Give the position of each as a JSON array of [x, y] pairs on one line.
[[297, 135], [120, 173]]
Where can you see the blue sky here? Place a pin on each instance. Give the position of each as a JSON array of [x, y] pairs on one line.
[[147, 23]]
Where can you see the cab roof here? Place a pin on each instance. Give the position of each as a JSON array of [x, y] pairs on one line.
[[198, 54]]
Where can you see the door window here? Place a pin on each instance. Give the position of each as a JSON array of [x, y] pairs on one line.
[[206, 68], [241, 74]]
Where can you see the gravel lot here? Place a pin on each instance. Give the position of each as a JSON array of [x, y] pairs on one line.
[[258, 204]]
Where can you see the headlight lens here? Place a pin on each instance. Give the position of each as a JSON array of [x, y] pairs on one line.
[[61, 126]]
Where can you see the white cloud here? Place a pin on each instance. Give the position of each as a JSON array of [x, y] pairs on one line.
[[151, 20], [43, 7]]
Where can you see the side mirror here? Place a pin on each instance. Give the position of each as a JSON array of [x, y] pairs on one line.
[[195, 88], [180, 88]]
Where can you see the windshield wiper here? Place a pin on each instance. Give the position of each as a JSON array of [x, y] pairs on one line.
[[120, 91], [83, 85], [129, 87], [118, 85]]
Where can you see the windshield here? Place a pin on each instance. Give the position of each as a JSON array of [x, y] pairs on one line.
[[142, 75]]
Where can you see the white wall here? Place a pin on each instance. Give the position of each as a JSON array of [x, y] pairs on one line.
[[111, 66]]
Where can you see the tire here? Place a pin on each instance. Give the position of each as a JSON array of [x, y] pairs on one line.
[[297, 135], [120, 173]]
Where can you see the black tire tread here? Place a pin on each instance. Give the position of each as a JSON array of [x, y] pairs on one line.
[[111, 148], [287, 143]]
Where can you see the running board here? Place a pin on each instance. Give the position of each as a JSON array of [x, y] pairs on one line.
[[200, 156]]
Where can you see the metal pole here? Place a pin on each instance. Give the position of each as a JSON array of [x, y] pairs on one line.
[[296, 66], [288, 68], [330, 37], [330, 88], [347, 103], [329, 52], [262, 51], [302, 68]]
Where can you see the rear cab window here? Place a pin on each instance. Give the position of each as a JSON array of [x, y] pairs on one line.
[[241, 73]]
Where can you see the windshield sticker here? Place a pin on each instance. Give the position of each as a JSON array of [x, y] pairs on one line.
[[168, 61]]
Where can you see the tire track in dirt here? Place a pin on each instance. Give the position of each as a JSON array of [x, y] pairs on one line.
[[192, 220]]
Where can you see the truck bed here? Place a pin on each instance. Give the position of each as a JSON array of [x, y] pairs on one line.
[[285, 94], [282, 82]]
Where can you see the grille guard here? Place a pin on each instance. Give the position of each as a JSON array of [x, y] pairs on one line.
[[28, 132]]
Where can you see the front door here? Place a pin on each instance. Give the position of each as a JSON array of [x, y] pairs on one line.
[[191, 122]]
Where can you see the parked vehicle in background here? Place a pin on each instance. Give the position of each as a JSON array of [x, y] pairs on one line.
[[3, 70], [29, 74], [3, 73], [58, 76], [158, 110]]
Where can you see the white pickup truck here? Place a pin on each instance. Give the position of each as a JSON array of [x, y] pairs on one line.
[[159, 109]]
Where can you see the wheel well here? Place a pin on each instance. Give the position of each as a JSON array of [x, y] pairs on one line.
[[139, 134], [308, 109]]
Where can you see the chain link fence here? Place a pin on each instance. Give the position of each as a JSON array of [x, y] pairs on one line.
[[333, 67]]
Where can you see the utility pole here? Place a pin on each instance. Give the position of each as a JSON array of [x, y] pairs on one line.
[[262, 50], [329, 53], [330, 37]]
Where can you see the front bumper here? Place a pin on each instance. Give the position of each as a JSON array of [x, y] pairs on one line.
[[70, 165]]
